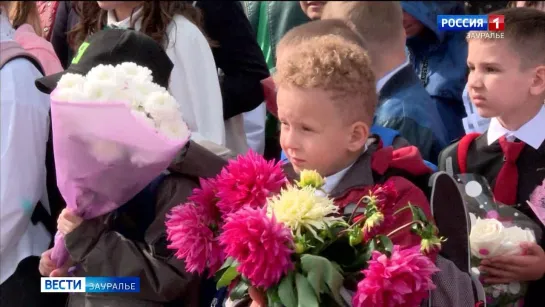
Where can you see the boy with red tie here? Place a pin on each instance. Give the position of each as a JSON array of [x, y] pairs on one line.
[[507, 84]]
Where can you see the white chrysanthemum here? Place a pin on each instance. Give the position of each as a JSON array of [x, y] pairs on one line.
[[71, 81], [106, 152], [131, 71], [161, 106], [303, 209], [107, 74], [141, 89], [176, 129], [69, 95], [140, 115], [101, 91]]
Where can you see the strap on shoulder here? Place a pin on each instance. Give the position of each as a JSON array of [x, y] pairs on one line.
[[387, 135], [11, 50], [463, 147], [453, 159]]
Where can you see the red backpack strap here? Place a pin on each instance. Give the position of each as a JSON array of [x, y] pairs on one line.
[[463, 147], [11, 50]]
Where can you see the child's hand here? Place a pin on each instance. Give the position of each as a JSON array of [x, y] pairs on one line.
[[258, 298], [506, 269], [48, 268], [68, 221]]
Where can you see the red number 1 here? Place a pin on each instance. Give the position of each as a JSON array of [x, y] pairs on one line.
[[496, 23]]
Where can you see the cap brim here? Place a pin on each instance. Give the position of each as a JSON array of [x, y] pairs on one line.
[[49, 83]]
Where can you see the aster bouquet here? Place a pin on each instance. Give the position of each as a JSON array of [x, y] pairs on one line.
[[496, 230], [114, 131], [249, 227]]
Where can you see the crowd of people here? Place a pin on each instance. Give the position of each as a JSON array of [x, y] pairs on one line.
[[352, 78]]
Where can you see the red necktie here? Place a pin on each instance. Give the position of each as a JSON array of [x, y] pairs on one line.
[[505, 189]]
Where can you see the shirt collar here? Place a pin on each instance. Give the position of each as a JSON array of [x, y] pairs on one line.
[[531, 133], [125, 23], [382, 81], [7, 33], [332, 181]]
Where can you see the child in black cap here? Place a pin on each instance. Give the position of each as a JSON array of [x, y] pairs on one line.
[[132, 241]]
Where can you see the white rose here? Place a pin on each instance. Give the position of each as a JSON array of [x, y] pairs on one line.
[[486, 238], [106, 74], [131, 71], [174, 129], [513, 237], [69, 95], [161, 106], [106, 152], [71, 81], [101, 91]]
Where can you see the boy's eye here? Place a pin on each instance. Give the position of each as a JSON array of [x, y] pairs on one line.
[[307, 129], [491, 69]]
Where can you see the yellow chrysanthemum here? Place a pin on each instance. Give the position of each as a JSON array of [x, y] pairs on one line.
[[311, 179], [302, 208]]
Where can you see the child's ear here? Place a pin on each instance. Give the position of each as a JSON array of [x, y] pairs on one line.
[[538, 85], [358, 136]]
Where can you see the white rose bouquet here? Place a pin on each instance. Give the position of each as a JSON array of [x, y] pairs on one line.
[[114, 131], [496, 230]]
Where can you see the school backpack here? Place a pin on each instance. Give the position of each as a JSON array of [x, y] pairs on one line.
[[9, 51], [454, 281], [453, 159]]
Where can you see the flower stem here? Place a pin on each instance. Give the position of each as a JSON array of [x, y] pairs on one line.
[[403, 209], [361, 201], [405, 226]]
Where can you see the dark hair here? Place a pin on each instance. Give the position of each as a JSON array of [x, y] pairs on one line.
[[524, 33], [156, 17]]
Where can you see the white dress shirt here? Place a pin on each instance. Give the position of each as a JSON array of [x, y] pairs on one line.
[[382, 81], [24, 133], [531, 133], [194, 83]]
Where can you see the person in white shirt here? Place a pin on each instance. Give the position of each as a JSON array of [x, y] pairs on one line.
[[194, 80], [24, 132]]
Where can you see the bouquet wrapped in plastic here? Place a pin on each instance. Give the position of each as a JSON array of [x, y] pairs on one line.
[[249, 227], [114, 131], [496, 230]]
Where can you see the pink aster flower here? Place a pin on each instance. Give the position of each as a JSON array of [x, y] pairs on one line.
[[537, 202], [248, 180], [190, 235], [404, 279], [260, 245], [205, 198]]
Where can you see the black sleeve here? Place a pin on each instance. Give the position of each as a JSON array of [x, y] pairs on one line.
[[59, 39], [238, 55]]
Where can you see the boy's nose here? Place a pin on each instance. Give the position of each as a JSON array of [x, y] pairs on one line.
[[474, 80]]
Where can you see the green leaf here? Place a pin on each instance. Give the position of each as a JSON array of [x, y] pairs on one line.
[[286, 291], [228, 262], [386, 243], [305, 295], [322, 275], [228, 276], [273, 300], [418, 214], [240, 290]]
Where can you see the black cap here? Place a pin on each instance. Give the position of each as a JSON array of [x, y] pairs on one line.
[[115, 46]]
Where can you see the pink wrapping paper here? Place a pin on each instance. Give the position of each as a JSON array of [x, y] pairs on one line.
[[104, 156]]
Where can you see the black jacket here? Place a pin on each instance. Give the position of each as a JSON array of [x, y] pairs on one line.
[[65, 20], [238, 55]]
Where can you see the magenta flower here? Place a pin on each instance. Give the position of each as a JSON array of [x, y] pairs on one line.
[[537, 202], [404, 279], [385, 195], [260, 245], [205, 198], [190, 235], [248, 180]]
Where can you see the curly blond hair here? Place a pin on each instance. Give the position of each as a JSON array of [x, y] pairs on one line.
[[332, 63]]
